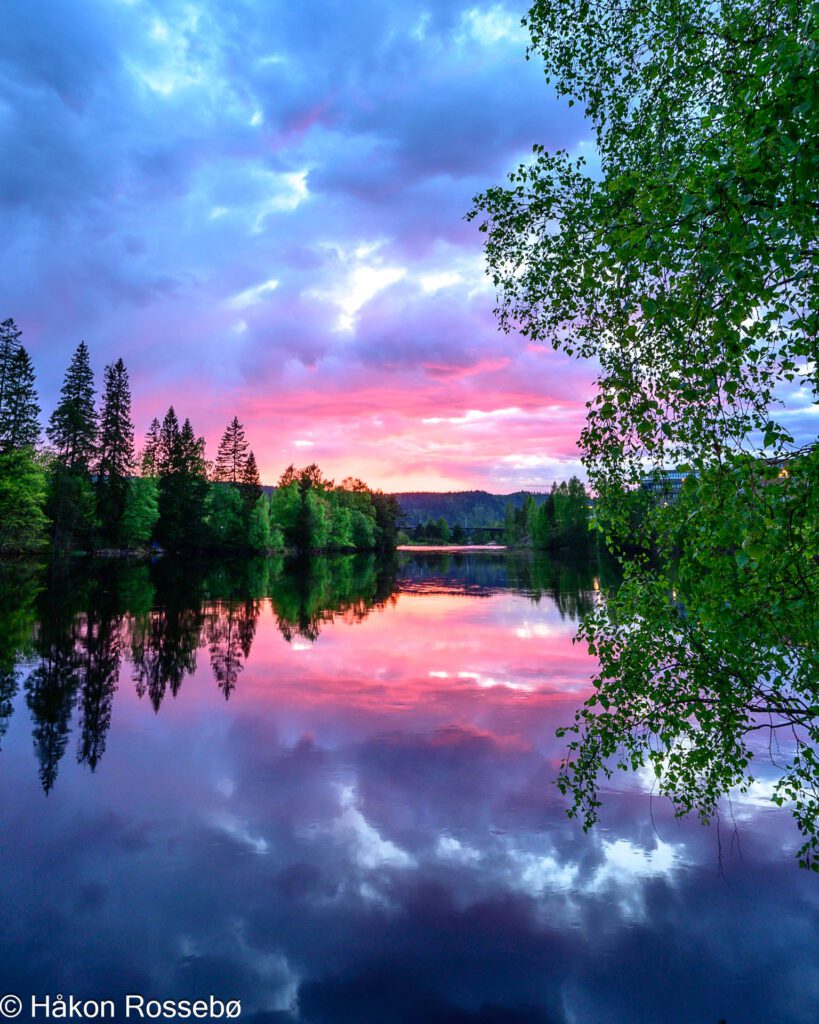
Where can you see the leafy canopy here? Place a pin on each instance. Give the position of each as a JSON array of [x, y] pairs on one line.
[[686, 269]]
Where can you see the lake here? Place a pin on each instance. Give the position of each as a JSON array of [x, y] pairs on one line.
[[326, 790]]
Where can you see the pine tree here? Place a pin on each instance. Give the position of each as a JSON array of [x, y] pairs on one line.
[[20, 411], [116, 430], [231, 458], [192, 453], [251, 483], [10, 335], [72, 428], [180, 464], [116, 449], [148, 458], [167, 453]]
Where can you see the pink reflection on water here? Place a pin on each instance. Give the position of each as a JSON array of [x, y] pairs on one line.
[[500, 665]]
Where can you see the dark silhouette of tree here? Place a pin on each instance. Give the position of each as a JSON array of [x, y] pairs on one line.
[[251, 482], [72, 431], [166, 450], [248, 620], [180, 465], [232, 456], [116, 448], [52, 686], [19, 410], [10, 335], [149, 452], [101, 652], [387, 513], [72, 428], [225, 646], [163, 650]]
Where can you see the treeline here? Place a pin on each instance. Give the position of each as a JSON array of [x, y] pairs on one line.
[[544, 521], [464, 508], [86, 489], [561, 519]]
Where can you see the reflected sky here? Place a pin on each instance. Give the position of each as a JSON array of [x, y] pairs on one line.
[[367, 829]]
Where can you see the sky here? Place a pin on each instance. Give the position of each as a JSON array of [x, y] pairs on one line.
[[260, 206]]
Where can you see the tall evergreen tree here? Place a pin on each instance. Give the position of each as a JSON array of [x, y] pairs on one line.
[[251, 482], [167, 450], [231, 458], [192, 453], [19, 411], [72, 428], [148, 462], [72, 431], [180, 462], [10, 335], [116, 448]]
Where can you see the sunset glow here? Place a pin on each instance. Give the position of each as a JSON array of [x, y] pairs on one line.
[[263, 214]]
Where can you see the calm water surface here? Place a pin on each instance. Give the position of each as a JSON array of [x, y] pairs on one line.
[[326, 790]]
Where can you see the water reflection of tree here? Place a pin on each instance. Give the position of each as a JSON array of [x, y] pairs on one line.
[[569, 582], [312, 592], [164, 638], [19, 586], [100, 655], [78, 621], [54, 682], [229, 628]]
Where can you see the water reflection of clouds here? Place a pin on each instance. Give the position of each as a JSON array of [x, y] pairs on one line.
[[370, 833]]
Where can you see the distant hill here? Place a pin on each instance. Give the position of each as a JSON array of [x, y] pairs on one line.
[[469, 508]]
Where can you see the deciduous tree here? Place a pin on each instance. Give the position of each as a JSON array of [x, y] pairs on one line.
[[686, 269]]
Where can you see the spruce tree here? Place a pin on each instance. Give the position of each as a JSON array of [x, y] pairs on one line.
[[72, 428], [166, 453], [10, 335], [251, 483], [180, 463], [72, 431], [231, 458], [116, 448], [20, 411], [192, 453], [148, 462]]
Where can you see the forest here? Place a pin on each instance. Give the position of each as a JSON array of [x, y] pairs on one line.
[[88, 489], [561, 518]]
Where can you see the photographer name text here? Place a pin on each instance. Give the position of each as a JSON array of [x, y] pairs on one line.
[[131, 1007]]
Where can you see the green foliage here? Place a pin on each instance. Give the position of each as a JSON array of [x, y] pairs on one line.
[[19, 409], [313, 514], [225, 517], [285, 507], [259, 535], [23, 523], [140, 513], [183, 485], [687, 270], [71, 506]]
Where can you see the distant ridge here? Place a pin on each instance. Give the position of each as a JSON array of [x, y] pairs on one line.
[[468, 508]]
